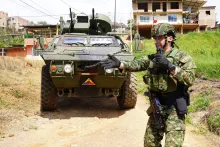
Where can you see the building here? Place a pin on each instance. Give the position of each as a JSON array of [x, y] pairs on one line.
[[3, 19], [27, 50], [207, 16], [182, 14], [46, 30], [17, 23]]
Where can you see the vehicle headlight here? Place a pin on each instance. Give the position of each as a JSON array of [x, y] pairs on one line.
[[109, 70], [68, 68]]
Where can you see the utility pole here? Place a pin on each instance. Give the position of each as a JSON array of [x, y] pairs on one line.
[[131, 22], [115, 16]]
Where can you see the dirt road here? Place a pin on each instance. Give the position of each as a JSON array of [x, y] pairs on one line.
[[89, 123]]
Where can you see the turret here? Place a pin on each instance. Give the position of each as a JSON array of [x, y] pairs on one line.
[[95, 24]]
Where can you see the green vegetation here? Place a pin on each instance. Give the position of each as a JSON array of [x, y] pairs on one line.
[[141, 85], [199, 103], [214, 122], [188, 119], [17, 41], [18, 93], [205, 49], [6, 40], [3, 103]]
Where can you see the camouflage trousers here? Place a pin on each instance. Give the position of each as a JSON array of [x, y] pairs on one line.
[[174, 130]]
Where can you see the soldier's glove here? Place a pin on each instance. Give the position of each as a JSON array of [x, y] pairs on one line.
[[162, 61], [110, 62]]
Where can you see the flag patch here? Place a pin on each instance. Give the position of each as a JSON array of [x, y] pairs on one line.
[[88, 82]]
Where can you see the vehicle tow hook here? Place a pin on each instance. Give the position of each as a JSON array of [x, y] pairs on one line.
[[60, 92], [115, 92]]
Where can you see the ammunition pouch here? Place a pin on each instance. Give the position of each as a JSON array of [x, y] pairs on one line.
[[181, 106], [187, 97], [160, 83], [149, 111]]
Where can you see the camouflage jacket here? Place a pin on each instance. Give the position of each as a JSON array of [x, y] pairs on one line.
[[183, 62], [137, 36]]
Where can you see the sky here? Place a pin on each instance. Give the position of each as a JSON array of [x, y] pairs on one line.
[[37, 10], [58, 8]]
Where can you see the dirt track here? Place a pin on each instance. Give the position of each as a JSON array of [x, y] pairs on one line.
[[89, 123]]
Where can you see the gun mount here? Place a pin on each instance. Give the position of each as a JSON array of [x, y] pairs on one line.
[[95, 24]]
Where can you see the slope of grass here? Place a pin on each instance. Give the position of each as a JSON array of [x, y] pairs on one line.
[[199, 103], [205, 49]]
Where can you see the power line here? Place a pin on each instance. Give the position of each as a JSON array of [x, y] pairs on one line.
[[44, 15], [40, 6], [118, 13], [37, 9], [22, 6], [72, 7]]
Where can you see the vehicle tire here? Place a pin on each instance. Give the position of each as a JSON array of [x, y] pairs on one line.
[[48, 91], [128, 97]]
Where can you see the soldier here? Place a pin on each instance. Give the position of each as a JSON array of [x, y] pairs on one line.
[[169, 74], [137, 38]]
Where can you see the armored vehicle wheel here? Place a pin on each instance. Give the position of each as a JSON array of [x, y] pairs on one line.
[[128, 97], [48, 91]]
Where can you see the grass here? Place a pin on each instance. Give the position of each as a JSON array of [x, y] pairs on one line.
[[141, 85], [214, 122], [188, 119], [18, 93], [18, 63], [199, 103], [4, 82], [205, 49], [3, 103]]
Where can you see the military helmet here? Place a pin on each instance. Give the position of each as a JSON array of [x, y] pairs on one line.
[[163, 29]]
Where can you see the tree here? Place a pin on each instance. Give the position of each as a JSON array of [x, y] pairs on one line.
[[130, 21], [31, 22], [7, 40], [42, 22]]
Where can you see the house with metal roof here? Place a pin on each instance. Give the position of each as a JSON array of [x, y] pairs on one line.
[[183, 14]]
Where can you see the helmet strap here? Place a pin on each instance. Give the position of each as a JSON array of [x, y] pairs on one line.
[[159, 49], [166, 42], [174, 44]]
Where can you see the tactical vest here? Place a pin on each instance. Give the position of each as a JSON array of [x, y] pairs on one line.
[[158, 79]]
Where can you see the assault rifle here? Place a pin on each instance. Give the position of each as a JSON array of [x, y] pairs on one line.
[[156, 108], [154, 100]]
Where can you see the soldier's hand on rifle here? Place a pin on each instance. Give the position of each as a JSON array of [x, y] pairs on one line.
[[110, 62], [163, 61]]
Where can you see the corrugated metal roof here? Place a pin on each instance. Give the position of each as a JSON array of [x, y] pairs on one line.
[[194, 5]]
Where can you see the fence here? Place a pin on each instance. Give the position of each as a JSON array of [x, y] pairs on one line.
[[2, 52]]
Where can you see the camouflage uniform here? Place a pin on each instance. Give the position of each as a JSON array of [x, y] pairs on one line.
[[137, 41], [166, 84]]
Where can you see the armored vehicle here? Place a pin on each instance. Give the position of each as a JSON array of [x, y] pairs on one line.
[[85, 41]]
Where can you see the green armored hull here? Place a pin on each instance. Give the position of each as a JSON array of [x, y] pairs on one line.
[[65, 74]]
